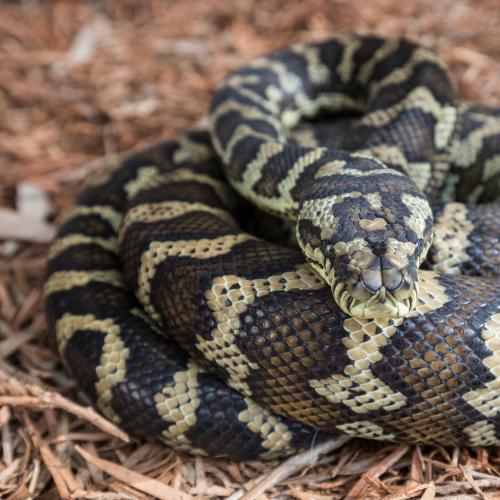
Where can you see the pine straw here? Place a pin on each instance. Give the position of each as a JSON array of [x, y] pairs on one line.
[[82, 80]]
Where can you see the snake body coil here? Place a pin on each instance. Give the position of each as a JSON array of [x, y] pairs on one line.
[[185, 327]]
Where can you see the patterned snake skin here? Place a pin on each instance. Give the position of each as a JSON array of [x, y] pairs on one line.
[[182, 323]]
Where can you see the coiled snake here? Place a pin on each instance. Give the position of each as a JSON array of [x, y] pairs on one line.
[[182, 325]]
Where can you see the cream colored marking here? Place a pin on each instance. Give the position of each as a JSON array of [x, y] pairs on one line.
[[358, 388], [140, 313], [242, 131], [221, 188], [307, 107], [203, 248], [111, 370], [374, 200], [449, 189], [303, 106], [367, 173], [177, 404], [475, 194], [257, 98], [73, 240], [386, 153], [61, 281], [482, 433], [319, 211], [491, 168], [350, 247], [420, 212], [400, 73], [317, 71], [465, 151], [168, 210], [305, 136], [445, 126], [366, 429], [288, 81], [388, 47], [432, 295], [487, 399], [248, 112], [275, 436], [420, 173], [159, 251], [451, 233], [346, 67], [238, 82], [376, 224], [358, 154], [228, 299], [103, 171], [284, 204], [144, 176], [420, 98], [275, 95], [191, 151], [66, 326], [106, 212], [317, 261], [114, 355], [299, 166], [330, 168], [253, 171]]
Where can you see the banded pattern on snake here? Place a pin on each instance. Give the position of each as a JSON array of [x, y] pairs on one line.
[[182, 325]]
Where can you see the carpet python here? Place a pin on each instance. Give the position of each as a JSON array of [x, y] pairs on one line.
[[190, 313]]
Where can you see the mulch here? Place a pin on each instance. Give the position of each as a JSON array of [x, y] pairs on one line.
[[82, 83]]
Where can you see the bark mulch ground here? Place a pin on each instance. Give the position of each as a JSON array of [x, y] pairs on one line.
[[82, 82]]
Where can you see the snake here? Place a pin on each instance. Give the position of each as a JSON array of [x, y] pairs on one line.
[[322, 261]]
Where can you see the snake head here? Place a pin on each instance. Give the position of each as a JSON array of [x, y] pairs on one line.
[[368, 244], [376, 281]]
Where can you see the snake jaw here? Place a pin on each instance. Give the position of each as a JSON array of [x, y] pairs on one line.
[[376, 287], [380, 305]]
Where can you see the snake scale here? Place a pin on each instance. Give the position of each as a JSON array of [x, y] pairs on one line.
[[373, 310]]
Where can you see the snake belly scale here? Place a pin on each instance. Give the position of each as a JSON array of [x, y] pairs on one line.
[[183, 325]]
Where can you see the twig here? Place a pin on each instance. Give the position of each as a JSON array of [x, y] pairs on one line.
[[138, 481], [47, 400], [33, 396], [457, 487], [358, 490], [64, 481], [289, 468]]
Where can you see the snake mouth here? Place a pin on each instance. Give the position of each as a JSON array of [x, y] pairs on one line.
[[382, 304], [376, 287]]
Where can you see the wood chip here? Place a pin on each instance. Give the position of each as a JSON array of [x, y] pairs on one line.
[[288, 468], [142, 483], [17, 226], [359, 489]]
